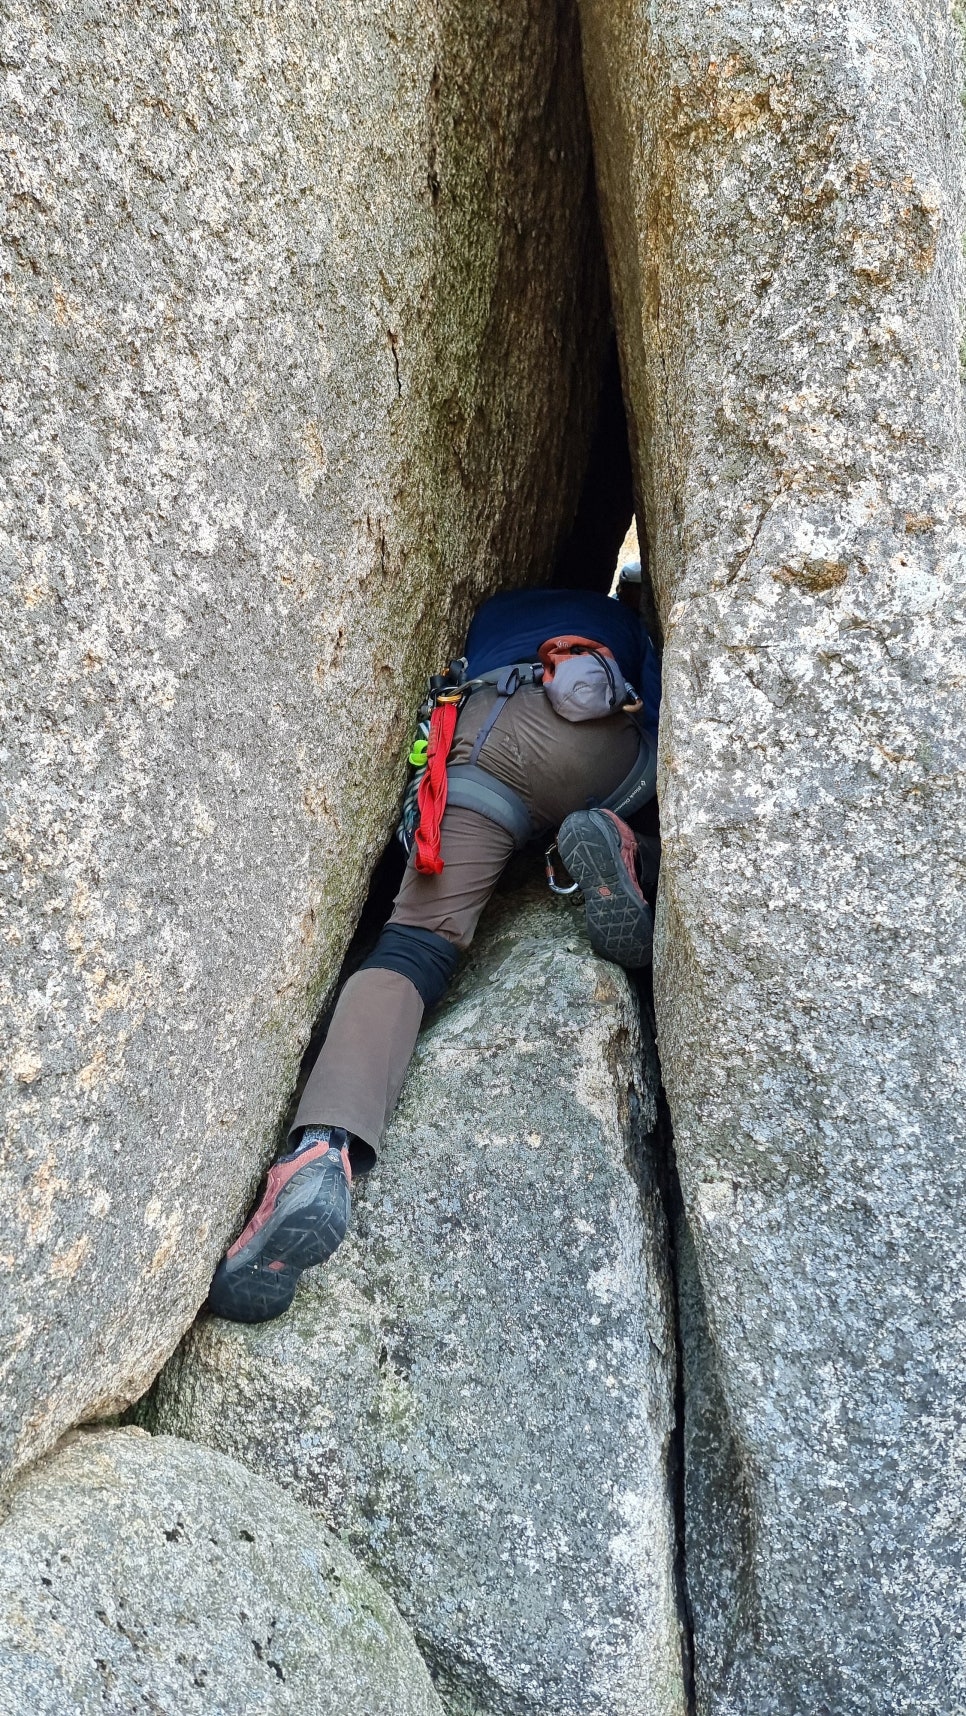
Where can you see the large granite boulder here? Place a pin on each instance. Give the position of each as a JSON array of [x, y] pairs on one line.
[[477, 1391], [303, 323], [140, 1573], [782, 196]]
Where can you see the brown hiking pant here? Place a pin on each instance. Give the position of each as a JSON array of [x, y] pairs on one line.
[[556, 766]]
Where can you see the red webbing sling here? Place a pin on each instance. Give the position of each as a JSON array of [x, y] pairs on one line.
[[431, 797]]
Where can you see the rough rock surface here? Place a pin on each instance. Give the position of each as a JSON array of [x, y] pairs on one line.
[[141, 1573], [782, 197], [303, 315], [477, 1390]]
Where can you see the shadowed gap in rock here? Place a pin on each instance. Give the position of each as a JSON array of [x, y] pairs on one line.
[[586, 561], [606, 504]]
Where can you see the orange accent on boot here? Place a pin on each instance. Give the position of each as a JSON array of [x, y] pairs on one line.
[[628, 852], [347, 1165], [278, 1178]]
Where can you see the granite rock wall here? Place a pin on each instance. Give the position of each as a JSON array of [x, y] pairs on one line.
[[782, 200], [477, 1390], [304, 315], [141, 1573]]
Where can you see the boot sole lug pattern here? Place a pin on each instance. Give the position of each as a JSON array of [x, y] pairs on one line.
[[308, 1224], [621, 925]]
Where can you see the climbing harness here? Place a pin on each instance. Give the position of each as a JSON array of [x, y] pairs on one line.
[[596, 689]]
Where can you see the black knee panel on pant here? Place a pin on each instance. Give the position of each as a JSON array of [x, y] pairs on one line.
[[427, 959]]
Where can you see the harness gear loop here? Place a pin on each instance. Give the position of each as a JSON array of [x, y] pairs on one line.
[[431, 798]]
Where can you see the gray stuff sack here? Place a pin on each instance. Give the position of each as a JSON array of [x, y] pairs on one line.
[[587, 686]]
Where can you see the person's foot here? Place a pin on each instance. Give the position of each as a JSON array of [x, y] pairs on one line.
[[301, 1219], [600, 851]]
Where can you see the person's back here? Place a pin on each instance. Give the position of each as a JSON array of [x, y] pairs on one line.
[[512, 625]]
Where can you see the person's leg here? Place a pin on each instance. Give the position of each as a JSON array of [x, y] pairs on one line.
[[360, 1068], [603, 854], [475, 853], [358, 1073], [555, 765]]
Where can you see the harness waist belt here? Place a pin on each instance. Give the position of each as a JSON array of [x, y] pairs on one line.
[[639, 787]]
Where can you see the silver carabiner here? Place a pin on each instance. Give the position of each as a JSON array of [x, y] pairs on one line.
[[552, 882]]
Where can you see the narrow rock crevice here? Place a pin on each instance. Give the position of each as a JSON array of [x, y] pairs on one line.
[[604, 512], [715, 1566], [669, 1189], [606, 503], [585, 560]]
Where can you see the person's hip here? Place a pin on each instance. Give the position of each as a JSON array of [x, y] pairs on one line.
[[556, 766]]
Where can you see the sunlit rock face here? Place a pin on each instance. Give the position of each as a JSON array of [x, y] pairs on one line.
[[781, 197], [477, 1389], [304, 319]]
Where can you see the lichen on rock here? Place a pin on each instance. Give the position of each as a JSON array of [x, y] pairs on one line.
[[141, 1573], [304, 323], [477, 1390]]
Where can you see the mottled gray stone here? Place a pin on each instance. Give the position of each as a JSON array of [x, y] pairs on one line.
[[477, 1389], [782, 198], [141, 1573], [302, 321]]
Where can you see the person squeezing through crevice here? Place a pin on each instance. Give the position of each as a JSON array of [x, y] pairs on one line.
[[551, 723]]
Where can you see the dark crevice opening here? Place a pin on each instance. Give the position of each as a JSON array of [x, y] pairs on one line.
[[672, 1199], [605, 507], [587, 559]]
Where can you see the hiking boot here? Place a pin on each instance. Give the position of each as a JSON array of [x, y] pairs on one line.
[[600, 851], [301, 1219]]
